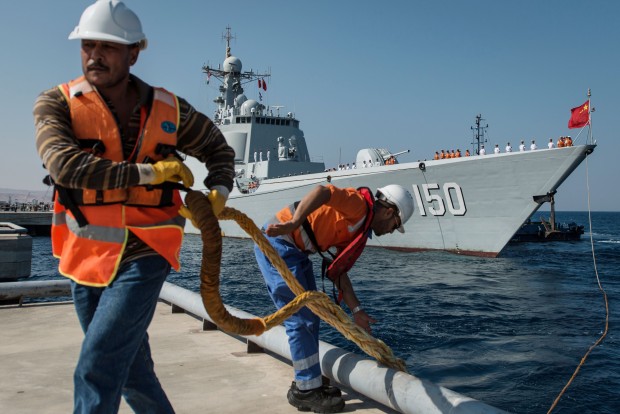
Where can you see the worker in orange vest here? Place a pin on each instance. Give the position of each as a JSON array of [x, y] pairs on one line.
[[108, 141]]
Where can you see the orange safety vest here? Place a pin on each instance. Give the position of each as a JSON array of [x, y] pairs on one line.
[[336, 265], [345, 259], [91, 254]]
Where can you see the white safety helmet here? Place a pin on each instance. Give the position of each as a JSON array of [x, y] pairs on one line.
[[110, 21], [401, 198]]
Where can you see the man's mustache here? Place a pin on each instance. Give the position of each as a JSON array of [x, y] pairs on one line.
[[93, 65]]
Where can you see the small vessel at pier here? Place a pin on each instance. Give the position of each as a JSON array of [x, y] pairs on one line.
[[547, 230]]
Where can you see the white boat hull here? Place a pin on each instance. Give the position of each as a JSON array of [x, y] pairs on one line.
[[470, 205]]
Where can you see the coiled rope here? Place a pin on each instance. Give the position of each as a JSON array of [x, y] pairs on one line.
[[317, 302]]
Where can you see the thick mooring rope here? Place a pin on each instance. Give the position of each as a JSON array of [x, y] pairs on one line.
[[318, 302], [600, 287]]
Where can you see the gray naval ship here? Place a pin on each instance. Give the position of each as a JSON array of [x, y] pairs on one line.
[[455, 210]]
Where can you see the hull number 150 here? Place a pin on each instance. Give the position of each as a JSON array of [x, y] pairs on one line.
[[435, 200]]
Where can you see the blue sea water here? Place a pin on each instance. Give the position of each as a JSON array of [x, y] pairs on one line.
[[508, 331]]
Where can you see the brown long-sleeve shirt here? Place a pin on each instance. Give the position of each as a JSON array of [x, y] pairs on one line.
[[71, 167]]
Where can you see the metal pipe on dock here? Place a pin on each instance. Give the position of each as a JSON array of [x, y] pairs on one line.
[[34, 289], [398, 390]]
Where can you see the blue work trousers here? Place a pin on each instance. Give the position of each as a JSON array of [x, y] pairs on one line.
[[302, 328], [115, 358]]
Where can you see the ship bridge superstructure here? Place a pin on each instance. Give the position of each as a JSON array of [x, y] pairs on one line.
[[267, 140]]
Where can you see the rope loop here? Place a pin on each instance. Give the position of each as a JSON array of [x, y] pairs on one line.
[[317, 302]]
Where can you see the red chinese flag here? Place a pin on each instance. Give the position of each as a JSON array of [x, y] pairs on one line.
[[264, 85], [579, 116], [260, 84]]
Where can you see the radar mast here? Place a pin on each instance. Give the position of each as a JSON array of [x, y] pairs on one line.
[[232, 79], [479, 130], [228, 36]]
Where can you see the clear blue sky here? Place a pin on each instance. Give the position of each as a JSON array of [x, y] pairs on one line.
[[396, 74]]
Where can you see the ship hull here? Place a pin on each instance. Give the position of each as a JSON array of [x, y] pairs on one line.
[[470, 205]]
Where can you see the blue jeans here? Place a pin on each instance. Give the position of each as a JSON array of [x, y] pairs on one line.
[[115, 358], [302, 328]]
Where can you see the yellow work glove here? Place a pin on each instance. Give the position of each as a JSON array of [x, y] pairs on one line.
[[184, 211], [172, 169], [217, 200]]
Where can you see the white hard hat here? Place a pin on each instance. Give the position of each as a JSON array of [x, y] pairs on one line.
[[401, 198], [110, 21]]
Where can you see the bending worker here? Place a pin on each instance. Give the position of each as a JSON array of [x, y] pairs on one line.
[[106, 139], [327, 217]]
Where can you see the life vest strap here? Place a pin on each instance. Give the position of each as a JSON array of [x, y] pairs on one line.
[[327, 261], [92, 145], [65, 198]]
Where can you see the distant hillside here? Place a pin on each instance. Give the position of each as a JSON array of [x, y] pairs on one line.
[[24, 196]]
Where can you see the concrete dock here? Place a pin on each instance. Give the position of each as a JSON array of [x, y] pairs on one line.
[[201, 371], [38, 223]]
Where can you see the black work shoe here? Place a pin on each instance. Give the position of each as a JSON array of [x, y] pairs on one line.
[[329, 390], [316, 400]]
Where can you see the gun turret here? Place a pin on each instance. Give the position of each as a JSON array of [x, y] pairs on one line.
[[400, 153]]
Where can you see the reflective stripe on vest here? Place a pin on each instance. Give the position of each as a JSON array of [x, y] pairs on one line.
[[91, 254], [99, 233]]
